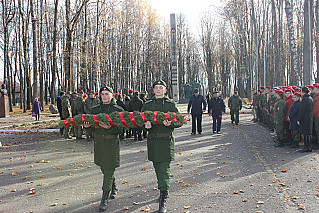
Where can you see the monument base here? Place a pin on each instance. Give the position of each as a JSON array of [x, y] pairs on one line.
[[4, 107]]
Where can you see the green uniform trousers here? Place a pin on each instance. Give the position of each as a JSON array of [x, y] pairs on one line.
[[162, 170], [295, 135], [108, 179], [66, 131], [78, 131], [280, 131]]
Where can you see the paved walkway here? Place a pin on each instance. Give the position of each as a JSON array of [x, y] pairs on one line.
[[237, 171]]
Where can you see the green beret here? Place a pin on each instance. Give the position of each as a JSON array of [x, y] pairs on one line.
[[92, 92], [107, 89], [159, 82]]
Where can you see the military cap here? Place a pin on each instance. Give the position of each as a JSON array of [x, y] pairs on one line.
[[159, 82], [130, 90], [196, 90], [107, 89], [92, 92], [258, 90], [268, 87], [81, 91], [270, 90], [310, 86], [297, 94], [61, 93], [316, 85], [262, 87], [279, 91], [305, 90], [215, 92], [294, 87], [85, 95], [97, 93], [236, 92]]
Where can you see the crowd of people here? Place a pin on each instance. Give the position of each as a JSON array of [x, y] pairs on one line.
[[160, 139], [70, 104], [291, 111]]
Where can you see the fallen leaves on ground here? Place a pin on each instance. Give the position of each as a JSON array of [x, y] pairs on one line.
[[124, 182], [301, 206], [260, 202], [143, 169], [146, 209], [284, 170], [54, 204], [187, 207], [283, 184], [245, 200]]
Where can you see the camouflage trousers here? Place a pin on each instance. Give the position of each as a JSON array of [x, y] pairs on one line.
[[280, 131], [295, 135]]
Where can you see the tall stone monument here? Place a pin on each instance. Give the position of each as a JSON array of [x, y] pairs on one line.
[[4, 102], [175, 88]]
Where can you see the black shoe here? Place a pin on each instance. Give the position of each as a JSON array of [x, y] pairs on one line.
[[305, 150], [140, 138], [104, 201], [199, 133], [193, 133], [214, 132], [162, 201], [236, 123], [135, 138], [279, 144], [219, 132], [232, 122], [114, 191]]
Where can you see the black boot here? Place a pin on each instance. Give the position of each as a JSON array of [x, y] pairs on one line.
[[140, 137], [162, 201], [280, 143], [104, 201], [295, 144], [114, 191], [307, 144]]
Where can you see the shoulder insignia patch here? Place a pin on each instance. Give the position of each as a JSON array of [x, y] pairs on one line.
[[95, 106]]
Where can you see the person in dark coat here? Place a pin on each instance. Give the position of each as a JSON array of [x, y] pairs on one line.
[[305, 119], [36, 109], [198, 105], [59, 103], [293, 115], [216, 107], [136, 104]]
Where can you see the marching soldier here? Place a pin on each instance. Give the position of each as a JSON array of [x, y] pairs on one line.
[[106, 145], [160, 141], [66, 113], [235, 104]]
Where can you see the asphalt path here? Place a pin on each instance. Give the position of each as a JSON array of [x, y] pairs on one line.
[[237, 171]]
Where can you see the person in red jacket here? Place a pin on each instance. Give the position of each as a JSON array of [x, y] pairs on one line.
[[315, 113], [289, 102]]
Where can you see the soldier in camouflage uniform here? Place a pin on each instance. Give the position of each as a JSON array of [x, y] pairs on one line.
[[271, 102], [235, 104], [90, 102], [254, 105], [78, 105], [265, 106], [279, 117], [66, 113], [260, 107], [160, 141], [106, 145]]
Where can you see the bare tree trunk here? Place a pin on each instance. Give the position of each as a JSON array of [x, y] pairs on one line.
[[307, 47], [35, 53], [54, 50]]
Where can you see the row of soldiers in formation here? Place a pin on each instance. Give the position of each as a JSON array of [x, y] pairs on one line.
[[70, 104], [291, 111]]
